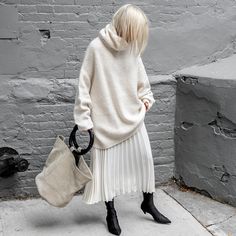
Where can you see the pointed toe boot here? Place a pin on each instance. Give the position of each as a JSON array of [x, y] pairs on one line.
[[148, 206]]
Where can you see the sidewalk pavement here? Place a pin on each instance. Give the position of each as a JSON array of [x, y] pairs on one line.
[[36, 217], [218, 218]]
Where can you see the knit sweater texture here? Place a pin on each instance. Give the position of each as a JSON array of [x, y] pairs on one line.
[[111, 90]]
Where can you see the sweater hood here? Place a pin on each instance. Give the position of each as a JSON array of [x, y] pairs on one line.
[[109, 36]]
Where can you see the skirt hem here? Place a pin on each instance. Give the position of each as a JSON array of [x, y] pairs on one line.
[[117, 195]]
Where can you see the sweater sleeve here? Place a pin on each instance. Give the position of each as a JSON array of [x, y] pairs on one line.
[[144, 87], [83, 103]]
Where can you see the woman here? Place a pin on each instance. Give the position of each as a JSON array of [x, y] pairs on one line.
[[112, 99]]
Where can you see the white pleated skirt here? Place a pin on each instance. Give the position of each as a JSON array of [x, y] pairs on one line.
[[124, 168]]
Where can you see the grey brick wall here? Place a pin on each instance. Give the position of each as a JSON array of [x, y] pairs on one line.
[[38, 72], [160, 126], [35, 111]]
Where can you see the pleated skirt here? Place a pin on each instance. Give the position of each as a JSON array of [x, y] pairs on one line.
[[124, 168]]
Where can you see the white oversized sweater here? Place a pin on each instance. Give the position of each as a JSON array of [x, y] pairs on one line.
[[111, 90]]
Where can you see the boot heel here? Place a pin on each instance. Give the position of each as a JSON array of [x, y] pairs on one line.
[[144, 211]]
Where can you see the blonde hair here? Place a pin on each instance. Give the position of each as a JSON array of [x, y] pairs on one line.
[[132, 24]]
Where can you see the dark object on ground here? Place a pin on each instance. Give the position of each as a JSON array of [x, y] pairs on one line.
[[11, 162]]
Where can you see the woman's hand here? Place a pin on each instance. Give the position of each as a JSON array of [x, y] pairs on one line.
[[146, 103]]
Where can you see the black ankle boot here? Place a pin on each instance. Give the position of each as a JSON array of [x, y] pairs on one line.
[[112, 221], [148, 206]]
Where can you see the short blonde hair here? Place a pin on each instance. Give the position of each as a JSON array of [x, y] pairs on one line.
[[132, 24]]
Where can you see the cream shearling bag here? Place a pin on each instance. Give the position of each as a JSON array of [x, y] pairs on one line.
[[65, 171]]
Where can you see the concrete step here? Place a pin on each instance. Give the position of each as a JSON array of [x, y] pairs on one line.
[[205, 128]]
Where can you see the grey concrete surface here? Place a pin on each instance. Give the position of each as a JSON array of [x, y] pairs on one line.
[[218, 218], [221, 72], [36, 217], [205, 128]]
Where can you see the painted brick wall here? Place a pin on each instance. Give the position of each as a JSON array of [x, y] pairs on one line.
[[40, 59]]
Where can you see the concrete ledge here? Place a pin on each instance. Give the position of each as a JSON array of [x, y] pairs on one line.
[[205, 129], [162, 79], [223, 70]]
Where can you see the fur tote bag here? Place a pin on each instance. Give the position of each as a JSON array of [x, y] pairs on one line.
[[65, 171]]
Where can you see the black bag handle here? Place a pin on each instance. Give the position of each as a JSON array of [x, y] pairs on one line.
[[73, 142]]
